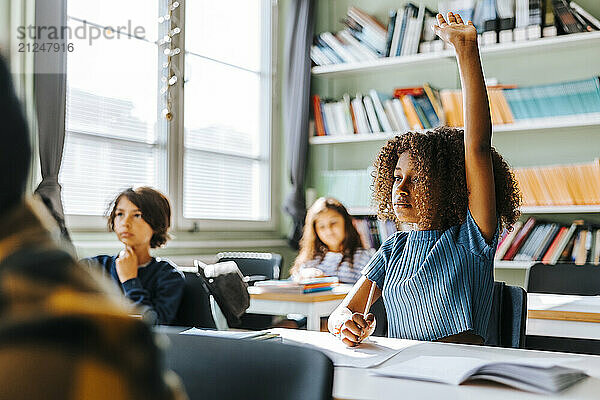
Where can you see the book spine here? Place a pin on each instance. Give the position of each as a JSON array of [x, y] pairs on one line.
[[390, 32]]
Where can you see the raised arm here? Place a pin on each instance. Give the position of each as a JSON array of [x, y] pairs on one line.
[[478, 125]]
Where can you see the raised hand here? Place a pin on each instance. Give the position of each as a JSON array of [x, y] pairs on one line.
[[127, 264], [454, 31]]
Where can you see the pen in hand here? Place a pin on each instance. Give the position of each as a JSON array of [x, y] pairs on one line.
[[368, 305]]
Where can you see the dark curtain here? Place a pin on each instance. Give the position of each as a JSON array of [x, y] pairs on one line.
[[50, 97], [300, 23]]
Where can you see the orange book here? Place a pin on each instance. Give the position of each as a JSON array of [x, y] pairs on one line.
[[591, 186], [564, 177], [494, 108], [411, 113], [505, 110], [529, 198], [415, 91], [558, 189], [529, 176], [457, 94], [448, 106], [354, 125], [318, 116], [573, 181]]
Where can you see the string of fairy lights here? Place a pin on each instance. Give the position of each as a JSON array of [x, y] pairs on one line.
[[171, 73]]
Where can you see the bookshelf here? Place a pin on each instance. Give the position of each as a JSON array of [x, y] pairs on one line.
[[511, 49]]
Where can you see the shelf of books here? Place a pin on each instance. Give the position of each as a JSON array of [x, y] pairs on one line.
[[370, 43], [545, 124], [421, 60], [368, 117]]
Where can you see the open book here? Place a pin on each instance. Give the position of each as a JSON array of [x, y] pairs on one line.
[[536, 375]]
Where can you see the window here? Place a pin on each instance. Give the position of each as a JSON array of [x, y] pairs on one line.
[[116, 136], [227, 105]]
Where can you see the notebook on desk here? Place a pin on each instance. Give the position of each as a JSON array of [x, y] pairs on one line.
[[545, 375]]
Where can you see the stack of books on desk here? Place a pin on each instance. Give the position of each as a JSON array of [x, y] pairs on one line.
[[305, 286]]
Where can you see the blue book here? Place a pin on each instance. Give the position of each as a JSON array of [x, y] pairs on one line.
[[513, 102], [409, 11], [390, 32], [420, 113], [428, 109]]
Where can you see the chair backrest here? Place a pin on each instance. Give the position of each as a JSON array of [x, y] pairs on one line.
[[195, 307], [225, 368], [508, 317], [255, 264], [583, 280], [378, 309]]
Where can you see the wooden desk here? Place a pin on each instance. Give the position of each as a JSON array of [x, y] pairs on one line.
[[563, 316], [358, 383], [312, 305]]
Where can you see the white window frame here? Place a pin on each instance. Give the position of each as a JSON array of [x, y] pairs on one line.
[[174, 142]]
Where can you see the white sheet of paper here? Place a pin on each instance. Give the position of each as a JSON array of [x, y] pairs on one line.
[[368, 354]]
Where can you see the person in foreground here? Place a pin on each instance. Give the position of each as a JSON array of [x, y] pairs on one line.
[[141, 219], [330, 244], [65, 333], [457, 191]]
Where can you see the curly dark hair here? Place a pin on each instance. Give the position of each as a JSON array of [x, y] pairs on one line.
[[155, 208], [440, 192], [311, 246]]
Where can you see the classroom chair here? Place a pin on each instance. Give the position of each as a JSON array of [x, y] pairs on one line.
[[195, 307], [378, 309], [225, 368], [508, 317], [583, 280], [255, 267]]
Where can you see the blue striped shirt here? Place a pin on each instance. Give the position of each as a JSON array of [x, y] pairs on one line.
[[332, 265], [435, 283]]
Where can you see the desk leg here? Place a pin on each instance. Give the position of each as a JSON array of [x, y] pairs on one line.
[[313, 319]]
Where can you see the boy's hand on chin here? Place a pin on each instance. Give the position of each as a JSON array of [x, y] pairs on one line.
[[127, 264]]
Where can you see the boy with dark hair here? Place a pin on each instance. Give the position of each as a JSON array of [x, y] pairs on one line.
[[141, 219]]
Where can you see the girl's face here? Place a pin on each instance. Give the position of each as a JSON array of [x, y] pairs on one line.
[[330, 228], [130, 227], [404, 180]]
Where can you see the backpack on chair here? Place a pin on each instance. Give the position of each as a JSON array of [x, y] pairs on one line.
[[226, 284]]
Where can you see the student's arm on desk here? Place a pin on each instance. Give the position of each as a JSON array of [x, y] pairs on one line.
[[348, 320]]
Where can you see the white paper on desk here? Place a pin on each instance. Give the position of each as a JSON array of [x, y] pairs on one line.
[[223, 334], [368, 354]]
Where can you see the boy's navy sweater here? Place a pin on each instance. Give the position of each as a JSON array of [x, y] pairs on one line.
[[157, 290]]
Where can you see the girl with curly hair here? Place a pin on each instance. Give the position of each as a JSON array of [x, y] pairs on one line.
[[330, 244], [457, 192], [141, 219]]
